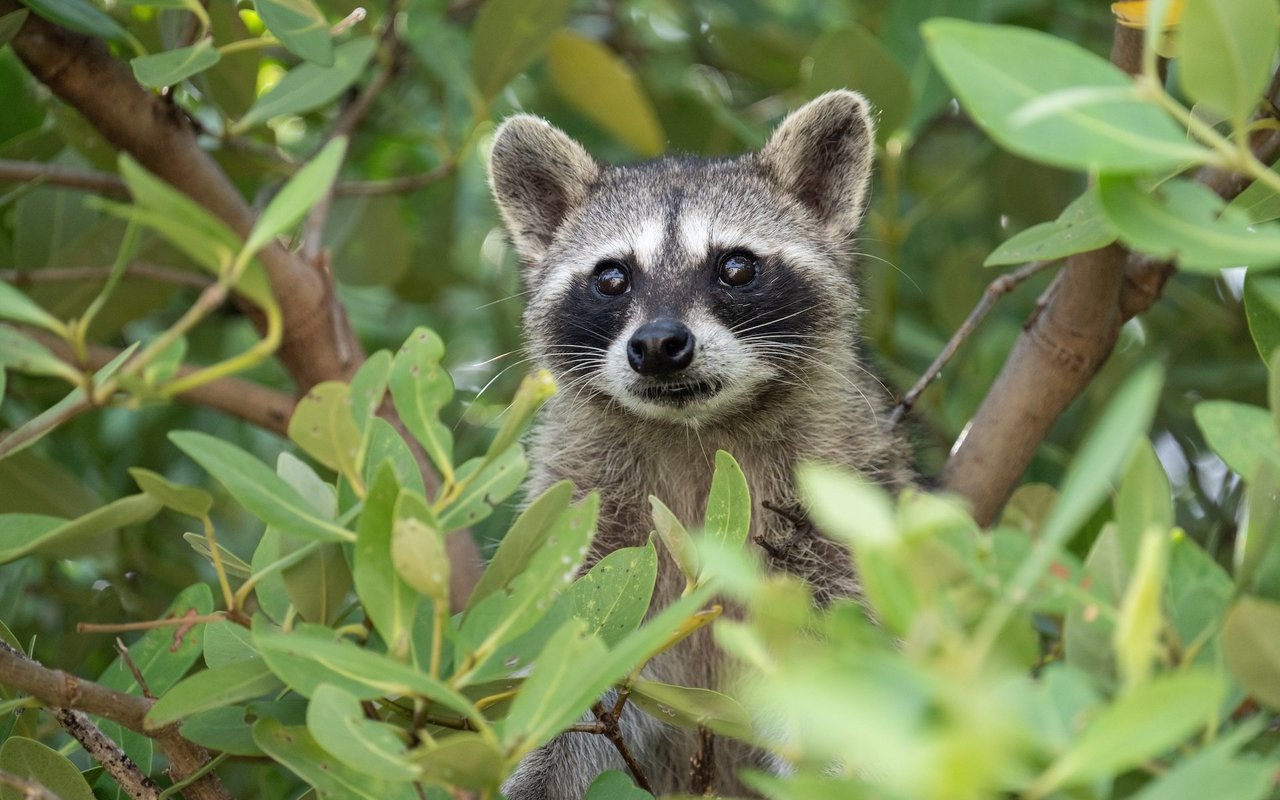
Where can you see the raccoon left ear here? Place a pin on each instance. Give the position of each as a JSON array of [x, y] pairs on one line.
[[822, 155], [538, 176]]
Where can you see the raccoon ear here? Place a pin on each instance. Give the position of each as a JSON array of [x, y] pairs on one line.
[[822, 155], [538, 175]]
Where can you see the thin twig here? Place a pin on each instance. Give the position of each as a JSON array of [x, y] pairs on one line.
[[613, 732], [138, 677], [57, 175], [995, 290], [107, 753], [146, 625], [23, 278], [401, 185], [27, 789]]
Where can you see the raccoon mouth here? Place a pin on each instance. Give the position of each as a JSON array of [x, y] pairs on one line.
[[678, 393]]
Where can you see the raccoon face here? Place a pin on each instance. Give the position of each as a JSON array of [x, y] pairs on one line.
[[688, 290]]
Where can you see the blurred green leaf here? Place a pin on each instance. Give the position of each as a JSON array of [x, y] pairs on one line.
[[29, 759], [465, 759], [1212, 772], [174, 66], [20, 353], [1139, 725], [17, 307], [25, 534], [1226, 48], [295, 748], [1079, 228], [309, 86], [368, 387], [1144, 500], [420, 387], [1186, 221], [417, 547], [558, 691], [79, 15], [257, 488], [338, 724], [996, 70], [387, 599], [675, 538], [1251, 645], [604, 89], [509, 35], [613, 597], [1257, 546], [302, 191], [535, 389], [1243, 436], [300, 26], [184, 499], [728, 516], [10, 24], [1140, 622], [1259, 201], [850, 57], [1262, 309], [212, 688]]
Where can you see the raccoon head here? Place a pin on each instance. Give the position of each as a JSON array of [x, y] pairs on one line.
[[689, 290]]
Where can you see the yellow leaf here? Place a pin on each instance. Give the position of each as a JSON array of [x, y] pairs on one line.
[[1133, 13]]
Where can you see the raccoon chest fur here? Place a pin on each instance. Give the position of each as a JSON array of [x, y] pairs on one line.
[[686, 306]]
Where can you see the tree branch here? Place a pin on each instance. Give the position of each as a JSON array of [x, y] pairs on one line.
[[57, 175], [60, 690], [107, 753], [23, 278], [27, 789]]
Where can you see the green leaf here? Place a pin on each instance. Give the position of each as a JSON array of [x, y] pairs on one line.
[[25, 534], [675, 538], [417, 547], [420, 387], [1251, 645], [728, 517], [484, 483], [535, 389], [16, 306], [1140, 725], [296, 198], [295, 748], [1079, 228], [466, 759], [29, 759], [692, 708], [996, 70], [387, 599], [559, 689], [368, 386], [508, 36], [79, 15], [523, 541], [234, 565], [318, 584], [10, 24], [212, 688], [615, 785], [387, 446], [603, 88], [1212, 772], [1262, 309], [322, 425], [1259, 201], [222, 729], [23, 354], [1243, 436], [850, 56], [310, 86], [257, 488], [1141, 622], [304, 662], [613, 597], [159, 70], [1144, 501], [337, 722], [225, 642], [163, 655], [184, 499], [1257, 550], [1226, 48], [1186, 221], [301, 28]]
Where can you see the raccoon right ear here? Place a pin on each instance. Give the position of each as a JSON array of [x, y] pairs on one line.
[[538, 175], [821, 154]]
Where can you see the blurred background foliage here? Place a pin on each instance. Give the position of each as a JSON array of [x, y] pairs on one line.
[[631, 80]]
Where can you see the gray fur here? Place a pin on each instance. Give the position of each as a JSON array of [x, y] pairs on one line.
[[800, 199]]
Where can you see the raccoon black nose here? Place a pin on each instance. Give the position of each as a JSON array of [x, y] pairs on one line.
[[660, 348]]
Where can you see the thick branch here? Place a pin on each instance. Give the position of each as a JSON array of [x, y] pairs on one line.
[[318, 343], [57, 175], [27, 789], [107, 753], [59, 689]]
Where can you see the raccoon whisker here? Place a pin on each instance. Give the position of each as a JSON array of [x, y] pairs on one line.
[[798, 352], [505, 299], [739, 327], [776, 320], [486, 362], [891, 265], [797, 346]]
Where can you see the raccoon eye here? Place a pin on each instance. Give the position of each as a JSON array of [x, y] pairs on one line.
[[737, 268], [611, 278]]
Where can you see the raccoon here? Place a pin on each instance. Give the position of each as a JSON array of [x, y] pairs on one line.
[[688, 305]]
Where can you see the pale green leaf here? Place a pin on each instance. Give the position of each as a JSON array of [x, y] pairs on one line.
[[159, 70], [1226, 49], [604, 89], [29, 759], [296, 198], [417, 547], [79, 15], [310, 86], [212, 688], [613, 597], [1079, 228], [17, 307], [338, 724], [508, 36], [301, 28]]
